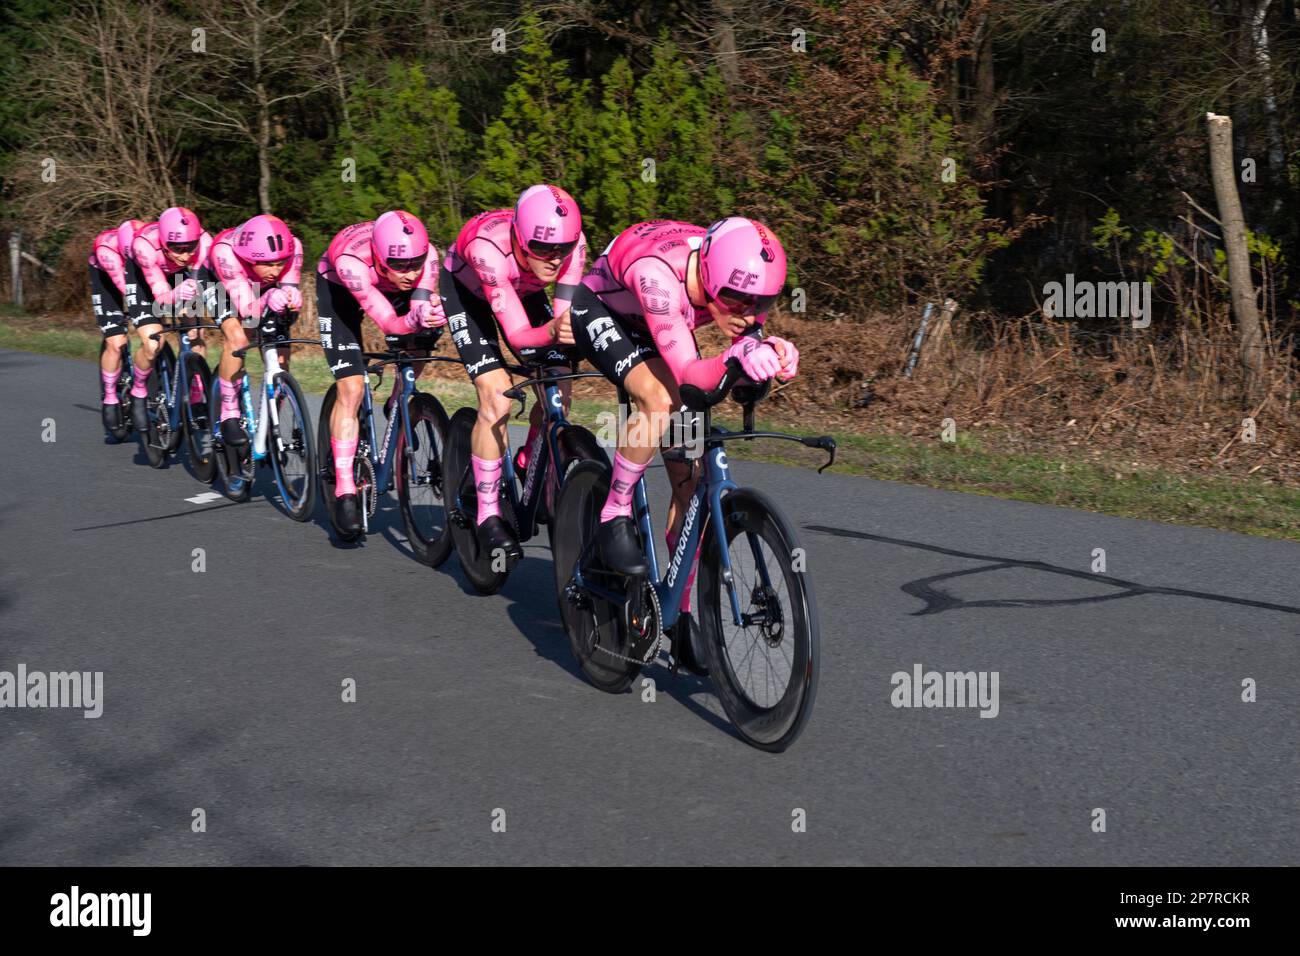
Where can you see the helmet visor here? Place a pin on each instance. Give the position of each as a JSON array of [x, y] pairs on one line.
[[409, 264], [550, 250], [183, 248], [744, 303]]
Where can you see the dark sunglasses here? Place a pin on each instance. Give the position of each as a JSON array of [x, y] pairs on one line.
[[405, 265], [741, 303], [180, 248], [550, 250]]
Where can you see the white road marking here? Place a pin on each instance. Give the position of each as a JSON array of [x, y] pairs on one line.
[[204, 498]]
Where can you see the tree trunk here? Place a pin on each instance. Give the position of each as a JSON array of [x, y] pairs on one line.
[[263, 150], [335, 62], [263, 123], [985, 93], [1249, 329], [1268, 97], [728, 63]]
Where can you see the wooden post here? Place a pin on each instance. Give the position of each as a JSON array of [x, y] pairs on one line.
[[16, 265], [1249, 330]]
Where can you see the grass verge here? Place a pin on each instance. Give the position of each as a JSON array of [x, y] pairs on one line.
[[1247, 506]]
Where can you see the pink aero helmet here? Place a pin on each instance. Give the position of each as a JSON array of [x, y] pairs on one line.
[[547, 221], [126, 234], [742, 264], [179, 226], [399, 241], [263, 239]]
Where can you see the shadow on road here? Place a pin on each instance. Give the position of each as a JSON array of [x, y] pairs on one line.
[[536, 614], [937, 600]]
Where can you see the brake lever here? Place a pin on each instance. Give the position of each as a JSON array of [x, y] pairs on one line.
[[517, 396], [827, 444]]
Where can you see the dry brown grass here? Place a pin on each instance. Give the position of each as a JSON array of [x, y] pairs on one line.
[[1131, 400]]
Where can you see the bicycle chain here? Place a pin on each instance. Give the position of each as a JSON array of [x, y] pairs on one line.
[[367, 474], [655, 647]]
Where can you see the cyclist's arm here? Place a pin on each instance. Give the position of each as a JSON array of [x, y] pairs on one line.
[[663, 303], [426, 287], [146, 257], [494, 275], [235, 280], [356, 276], [112, 263], [566, 284]]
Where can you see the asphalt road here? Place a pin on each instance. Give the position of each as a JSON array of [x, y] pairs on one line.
[[222, 689]]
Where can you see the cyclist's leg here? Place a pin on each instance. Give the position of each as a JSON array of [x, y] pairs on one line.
[[628, 358], [555, 359], [474, 333], [339, 320], [230, 371], [106, 302]]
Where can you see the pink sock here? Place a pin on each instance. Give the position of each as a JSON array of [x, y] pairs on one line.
[[487, 479], [196, 391], [230, 408], [138, 379], [690, 580], [621, 483], [110, 385], [344, 452]]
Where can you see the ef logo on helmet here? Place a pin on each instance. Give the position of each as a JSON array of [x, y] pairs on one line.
[[740, 279], [544, 233]]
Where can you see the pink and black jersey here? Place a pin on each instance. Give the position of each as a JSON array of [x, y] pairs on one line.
[[104, 256], [482, 259], [349, 262], [240, 281], [643, 271], [155, 268]]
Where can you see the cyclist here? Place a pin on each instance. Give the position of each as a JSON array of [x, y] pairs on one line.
[[160, 251], [634, 319], [496, 274], [247, 259], [107, 291], [385, 269]]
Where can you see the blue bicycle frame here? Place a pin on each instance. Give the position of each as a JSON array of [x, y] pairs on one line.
[[172, 389], [715, 481], [545, 451], [380, 454]]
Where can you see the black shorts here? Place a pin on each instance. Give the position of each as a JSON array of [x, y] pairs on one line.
[[614, 343], [107, 302], [477, 335], [339, 318]]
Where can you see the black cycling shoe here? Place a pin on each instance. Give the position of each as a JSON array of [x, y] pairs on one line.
[[199, 410], [686, 645], [233, 434], [112, 415], [140, 414], [493, 533], [347, 514], [616, 541]]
